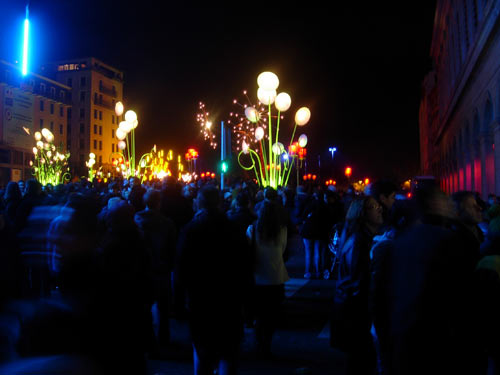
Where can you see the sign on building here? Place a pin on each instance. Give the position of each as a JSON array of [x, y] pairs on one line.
[[18, 114]]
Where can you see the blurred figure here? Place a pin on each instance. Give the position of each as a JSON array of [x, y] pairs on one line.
[[469, 213], [213, 273], [12, 198], [159, 238], [350, 330], [268, 238], [430, 316], [384, 192]]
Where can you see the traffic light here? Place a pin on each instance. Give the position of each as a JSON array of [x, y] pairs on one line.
[[224, 166]]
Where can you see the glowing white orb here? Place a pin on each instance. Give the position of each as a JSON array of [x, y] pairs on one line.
[[266, 96], [208, 124], [130, 116], [283, 102], [35, 150], [120, 134], [278, 148], [268, 81], [49, 137], [38, 136], [134, 124], [259, 133], [302, 116], [91, 162], [122, 145], [39, 144], [119, 108], [245, 147], [92, 155], [125, 126], [303, 140], [252, 114]]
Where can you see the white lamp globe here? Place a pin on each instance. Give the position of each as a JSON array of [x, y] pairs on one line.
[[268, 81], [39, 144], [130, 116], [135, 123], [47, 135], [122, 145], [38, 136], [35, 150], [92, 155], [303, 140], [125, 126], [259, 133], [266, 96], [91, 162], [119, 108], [120, 134], [245, 147], [252, 114], [278, 148], [302, 116], [283, 102]]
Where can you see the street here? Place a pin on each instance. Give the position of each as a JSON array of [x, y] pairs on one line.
[[300, 345]]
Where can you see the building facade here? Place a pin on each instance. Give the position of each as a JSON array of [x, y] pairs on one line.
[[96, 88], [459, 114], [27, 105]]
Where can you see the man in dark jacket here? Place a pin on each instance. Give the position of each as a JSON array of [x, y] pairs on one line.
[[430, 277], [159, 234], [212, 271]]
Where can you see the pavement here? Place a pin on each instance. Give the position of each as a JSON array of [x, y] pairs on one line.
[[300, 345]]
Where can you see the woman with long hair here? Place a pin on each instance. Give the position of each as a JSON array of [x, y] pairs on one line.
[[352, 321], [268, 237]]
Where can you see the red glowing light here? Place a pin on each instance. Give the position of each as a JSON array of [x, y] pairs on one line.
[[367, 181], [348, 172]]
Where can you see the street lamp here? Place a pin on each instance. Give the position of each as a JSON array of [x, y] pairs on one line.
[[332, 150]]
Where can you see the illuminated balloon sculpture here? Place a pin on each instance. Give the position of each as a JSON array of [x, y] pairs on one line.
[[272, 164], [50, 165], [122, 134]]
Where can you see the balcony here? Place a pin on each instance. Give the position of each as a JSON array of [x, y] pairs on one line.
[[103, 103], [108, 91]]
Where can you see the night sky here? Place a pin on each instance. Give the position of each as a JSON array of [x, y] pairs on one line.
[[358, 67]]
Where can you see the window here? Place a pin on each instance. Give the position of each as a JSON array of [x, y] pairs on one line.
[[81, 144], [95, 144], [68, 113], [95, 113], [53, 92], [62, 95], [112, 147], [100, 115], [82, 128], [112, 119], [41, 105], [95, 98], [112, 133], [52, 126], [95, 129], [42, 88], [61, 128], [68, 129], [82, 113], [100, 145], [100, 130], [82, 96], [100, 159], [70, 82], [100, 85], [51, 108], [83, 82], [61, 111], [100, 98], [41, 123]]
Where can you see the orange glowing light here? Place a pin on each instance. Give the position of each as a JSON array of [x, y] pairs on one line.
[[367, 181], [348, 172]]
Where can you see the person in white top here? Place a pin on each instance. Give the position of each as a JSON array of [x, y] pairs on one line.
[[268, 238]]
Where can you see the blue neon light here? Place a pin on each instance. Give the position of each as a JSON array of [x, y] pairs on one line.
[[25, 46]]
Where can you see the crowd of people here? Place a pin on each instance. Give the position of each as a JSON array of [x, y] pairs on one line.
[[99, 269]]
